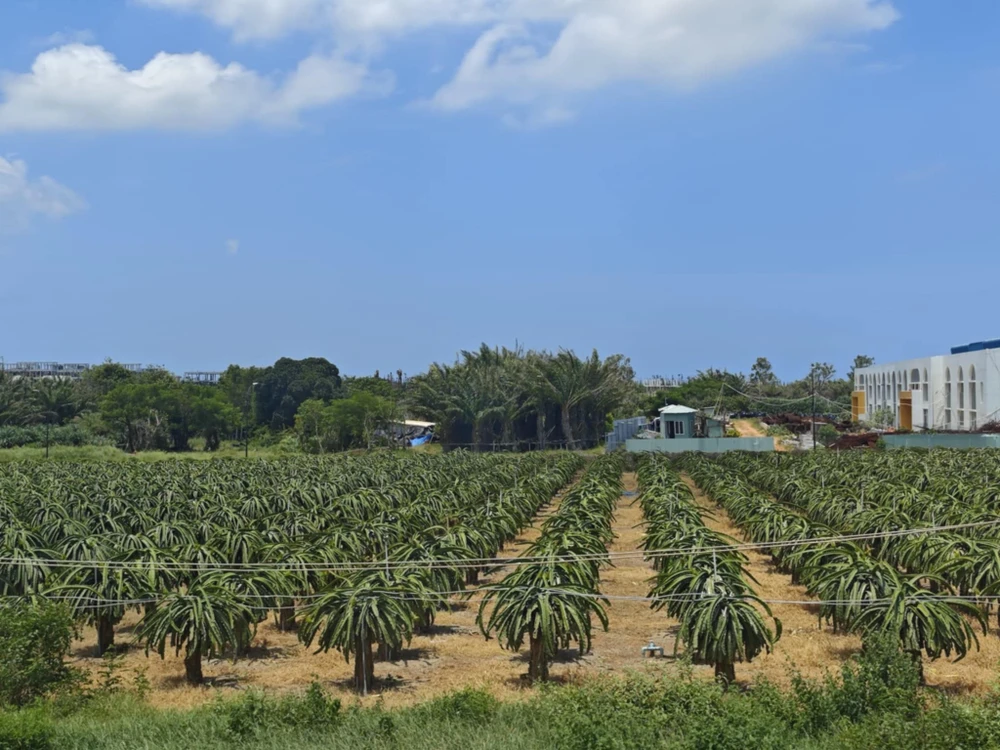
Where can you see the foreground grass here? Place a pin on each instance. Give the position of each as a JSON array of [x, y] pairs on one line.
[[874, 704]]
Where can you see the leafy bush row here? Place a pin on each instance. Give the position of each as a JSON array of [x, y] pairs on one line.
[[550, 601], [861, 592], [703, 587]]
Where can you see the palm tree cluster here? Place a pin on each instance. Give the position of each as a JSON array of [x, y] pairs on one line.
[[722, 619], [340, 546], [44, 401], [509, 399], [550, 600], [889, 585]]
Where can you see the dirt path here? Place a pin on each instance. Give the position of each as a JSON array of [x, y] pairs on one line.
[[631, 625], [746, 428]]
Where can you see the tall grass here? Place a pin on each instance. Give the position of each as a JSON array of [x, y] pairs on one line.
[[874, 704]]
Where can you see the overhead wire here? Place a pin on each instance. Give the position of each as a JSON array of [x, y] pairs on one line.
[[476, 563], [85, 603]]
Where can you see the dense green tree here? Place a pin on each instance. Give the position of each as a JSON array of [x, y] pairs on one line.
[[354, 422], [860, 362], [15, 401], [167, 414], [762, 377], [376, 386], [99, 381], [508, 398], [288, 383], [54, 401]]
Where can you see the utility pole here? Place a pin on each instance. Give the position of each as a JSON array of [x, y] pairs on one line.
[[246, 419], [813, 374]]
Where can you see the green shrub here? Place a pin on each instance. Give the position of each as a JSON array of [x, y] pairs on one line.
[[33, 641], [827, 434], [24, 730], [879, 680], [257, 712], [69, 434], [465, 705]]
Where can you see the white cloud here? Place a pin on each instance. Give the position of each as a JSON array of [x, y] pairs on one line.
[[232, 246], [270, 19], [67, 36], [80, 86], [546, 117], [536, 55], [534, 59], [22, 197], [677, 43]]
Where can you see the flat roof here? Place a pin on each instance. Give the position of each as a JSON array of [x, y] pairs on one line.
[[677, 409]]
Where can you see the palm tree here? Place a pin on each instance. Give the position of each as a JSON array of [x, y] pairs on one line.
[[54, 399], [15, 404], [207, 619], [547, 604], [366, 608]]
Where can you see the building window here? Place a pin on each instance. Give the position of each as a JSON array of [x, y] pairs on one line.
[[961, 395], [678, 428], [972, 420], [947, 396], [947, 417], [927, 391], [961, 419], [926, 423], [915, 378]]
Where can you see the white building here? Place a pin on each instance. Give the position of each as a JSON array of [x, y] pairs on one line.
[[957, 391]]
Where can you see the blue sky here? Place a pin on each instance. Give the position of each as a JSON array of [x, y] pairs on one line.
[[693, 184]]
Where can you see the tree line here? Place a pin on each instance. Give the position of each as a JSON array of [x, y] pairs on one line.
[[490, 398], [761, 392]]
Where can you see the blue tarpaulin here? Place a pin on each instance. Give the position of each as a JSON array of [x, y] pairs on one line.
[[420, 440]]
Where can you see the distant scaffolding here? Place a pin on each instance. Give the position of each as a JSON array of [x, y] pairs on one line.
[[45, 369], [659, 383], [205, 378], [68, 370]]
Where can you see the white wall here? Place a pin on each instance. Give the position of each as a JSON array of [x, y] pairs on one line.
[[883, 383]]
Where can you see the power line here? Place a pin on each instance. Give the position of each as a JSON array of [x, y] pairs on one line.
[[476, 563], [84, 603]]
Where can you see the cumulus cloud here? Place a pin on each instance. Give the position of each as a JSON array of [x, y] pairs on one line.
[[22, 197], [67, 36], [539, 54], [535, 59], [349, 19], [677, 43], [79, 86]]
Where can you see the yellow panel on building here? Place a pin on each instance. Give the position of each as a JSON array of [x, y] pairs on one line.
[[857, 405], [906, 410]]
